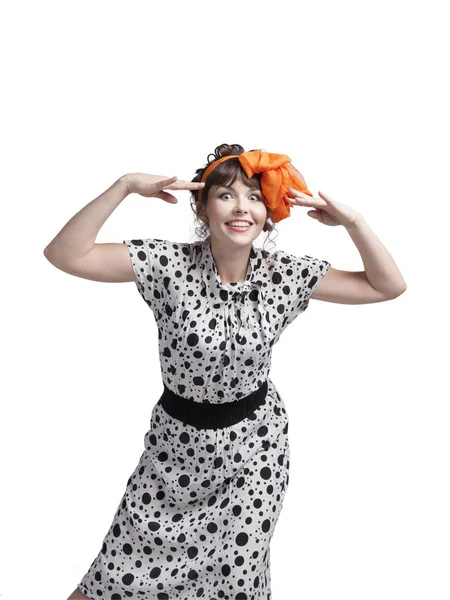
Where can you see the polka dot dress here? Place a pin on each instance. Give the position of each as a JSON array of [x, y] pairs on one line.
[[199, 510]]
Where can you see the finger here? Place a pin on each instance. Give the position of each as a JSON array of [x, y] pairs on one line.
[[295, 192], [300, 195], [305, 200], [188, 185], [167, 181], [167, 197], [326, 197]]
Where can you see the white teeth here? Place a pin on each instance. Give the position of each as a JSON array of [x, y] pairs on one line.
[[233, 224]]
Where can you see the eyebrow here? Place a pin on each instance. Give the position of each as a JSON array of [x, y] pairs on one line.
[[230, 187]]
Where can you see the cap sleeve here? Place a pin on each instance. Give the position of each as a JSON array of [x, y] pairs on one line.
[[297, 278], [152, 261]]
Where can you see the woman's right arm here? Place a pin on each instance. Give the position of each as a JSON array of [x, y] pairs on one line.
[[74, 249]]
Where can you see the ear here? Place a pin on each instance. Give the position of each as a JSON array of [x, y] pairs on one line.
[[202, 213]]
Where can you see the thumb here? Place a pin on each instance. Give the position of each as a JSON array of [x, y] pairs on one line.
[[167, 197]]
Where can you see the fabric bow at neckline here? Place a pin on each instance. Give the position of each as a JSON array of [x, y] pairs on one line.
[[234, 295], [223, 292]]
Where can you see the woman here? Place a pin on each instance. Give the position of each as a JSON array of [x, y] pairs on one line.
[[200, 508]]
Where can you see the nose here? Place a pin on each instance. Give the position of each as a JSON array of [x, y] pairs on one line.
[[240, 205]]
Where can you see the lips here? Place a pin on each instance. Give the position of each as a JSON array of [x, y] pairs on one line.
[[240, 222]]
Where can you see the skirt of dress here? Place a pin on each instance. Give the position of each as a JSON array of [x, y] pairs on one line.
[[198, 512]]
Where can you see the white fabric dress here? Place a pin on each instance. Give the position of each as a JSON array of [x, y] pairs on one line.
[[199, 510]]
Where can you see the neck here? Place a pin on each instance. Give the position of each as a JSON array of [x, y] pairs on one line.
[[231, 261]]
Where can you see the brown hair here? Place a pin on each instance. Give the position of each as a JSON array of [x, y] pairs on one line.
[[225, 173]]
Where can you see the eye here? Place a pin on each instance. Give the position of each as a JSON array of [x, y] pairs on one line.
[[257, 196]]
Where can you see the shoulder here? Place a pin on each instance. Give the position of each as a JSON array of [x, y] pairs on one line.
[[164, 260], [290, 264], [160, 250], [161, 268]]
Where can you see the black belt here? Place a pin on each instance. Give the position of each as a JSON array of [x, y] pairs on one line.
[[208, 415]]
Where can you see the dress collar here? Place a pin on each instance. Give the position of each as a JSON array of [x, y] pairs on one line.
[[235, 299], [224, 292]]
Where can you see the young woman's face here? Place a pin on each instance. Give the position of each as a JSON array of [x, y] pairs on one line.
[[233, 203]]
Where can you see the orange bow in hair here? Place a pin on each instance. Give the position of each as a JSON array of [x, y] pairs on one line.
[[277, 175]]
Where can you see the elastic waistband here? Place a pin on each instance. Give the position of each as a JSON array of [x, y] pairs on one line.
[[207, 415]]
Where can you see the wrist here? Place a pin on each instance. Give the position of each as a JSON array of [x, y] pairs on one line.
[[359, 219], [125, 181]]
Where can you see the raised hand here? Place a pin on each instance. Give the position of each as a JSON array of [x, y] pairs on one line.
[[326, 210], [151, 186]]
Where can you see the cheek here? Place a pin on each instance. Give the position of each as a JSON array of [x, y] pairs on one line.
[[216, 213], [263, 211]]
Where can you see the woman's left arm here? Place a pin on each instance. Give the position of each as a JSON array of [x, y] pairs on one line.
[[381, 279], [380, 268]]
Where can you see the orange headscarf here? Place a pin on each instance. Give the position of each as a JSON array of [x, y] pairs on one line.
[[277, 175]]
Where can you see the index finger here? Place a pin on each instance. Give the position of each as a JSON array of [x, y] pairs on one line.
[[181, 184]]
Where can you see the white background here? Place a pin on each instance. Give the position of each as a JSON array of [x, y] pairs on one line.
[[356, 94]]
